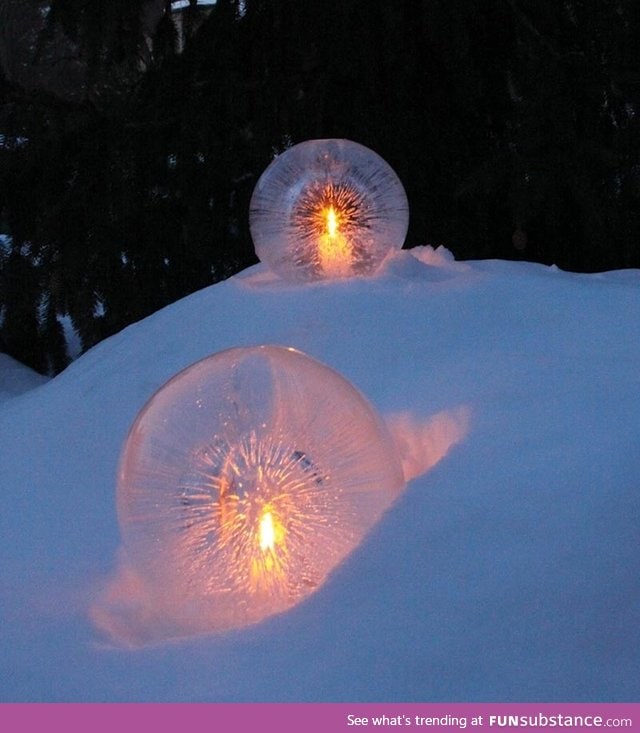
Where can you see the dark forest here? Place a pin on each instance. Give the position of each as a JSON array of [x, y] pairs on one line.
[[132, 134]]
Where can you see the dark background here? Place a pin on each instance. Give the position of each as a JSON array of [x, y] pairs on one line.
[[131, 138]]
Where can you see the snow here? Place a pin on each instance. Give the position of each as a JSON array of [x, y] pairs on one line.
[[508, 568], [180, 4], [73, 342], [16, 379]]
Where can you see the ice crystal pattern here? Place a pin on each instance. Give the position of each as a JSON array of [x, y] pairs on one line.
[[327, 209], [247, 478]]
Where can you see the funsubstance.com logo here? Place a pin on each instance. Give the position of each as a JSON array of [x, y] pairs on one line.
[[557, 721]]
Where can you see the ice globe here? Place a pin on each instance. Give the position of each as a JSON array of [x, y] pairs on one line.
[[327, 209], [244, 480]]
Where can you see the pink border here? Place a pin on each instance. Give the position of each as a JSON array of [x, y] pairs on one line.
[[320, 718]]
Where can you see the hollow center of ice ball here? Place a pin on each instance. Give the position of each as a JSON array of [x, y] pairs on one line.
[[271, 531], [330, 219], [254, 504], [332, 222], [334, 250], [267, 531]]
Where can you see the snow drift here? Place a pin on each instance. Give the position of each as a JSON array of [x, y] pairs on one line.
[[507, 570]]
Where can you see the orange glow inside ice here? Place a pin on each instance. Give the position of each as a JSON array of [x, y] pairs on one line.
[[334, 250], [267, 532], [269, 568], [332, 222]]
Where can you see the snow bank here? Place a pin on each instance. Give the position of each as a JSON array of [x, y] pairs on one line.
[[507, 571], [15, 378]]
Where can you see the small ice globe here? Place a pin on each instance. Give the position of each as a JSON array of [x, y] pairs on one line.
[[244, 480], [327, 209]]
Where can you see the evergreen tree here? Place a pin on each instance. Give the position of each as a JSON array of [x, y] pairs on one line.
[[125, 181]]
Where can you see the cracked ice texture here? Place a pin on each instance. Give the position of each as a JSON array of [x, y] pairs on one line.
[[327, 209], [240, 435]]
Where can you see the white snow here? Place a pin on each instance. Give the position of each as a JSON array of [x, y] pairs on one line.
[[508, 571]]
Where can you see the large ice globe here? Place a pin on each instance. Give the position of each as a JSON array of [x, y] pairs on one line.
[[244, 480], [327, 209]]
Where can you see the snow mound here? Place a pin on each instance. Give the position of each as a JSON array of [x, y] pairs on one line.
[[507, 570], [16, 379]]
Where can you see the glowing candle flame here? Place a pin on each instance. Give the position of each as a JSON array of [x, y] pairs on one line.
[[334, 249], [267, 532], [268, 569], [332, 222]]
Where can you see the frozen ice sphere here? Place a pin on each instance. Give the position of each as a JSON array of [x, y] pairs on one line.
[[327, 209], [245, 479]]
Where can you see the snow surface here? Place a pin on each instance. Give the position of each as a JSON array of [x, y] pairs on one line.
[[508, 571], [16, 379]]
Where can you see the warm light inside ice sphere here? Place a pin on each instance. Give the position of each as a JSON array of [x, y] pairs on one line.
[[245, 480], [327, 209], [267, 532]]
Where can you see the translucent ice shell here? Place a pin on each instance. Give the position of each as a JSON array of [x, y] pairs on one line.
[[327, 209], [245, 480]]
